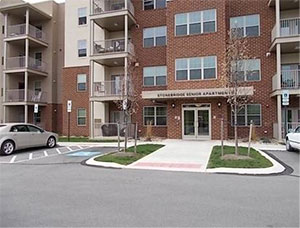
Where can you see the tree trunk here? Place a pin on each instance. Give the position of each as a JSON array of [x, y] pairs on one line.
[[235, 130]]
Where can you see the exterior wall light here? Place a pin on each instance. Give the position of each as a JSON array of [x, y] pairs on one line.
[[219, 104], [173, 105]]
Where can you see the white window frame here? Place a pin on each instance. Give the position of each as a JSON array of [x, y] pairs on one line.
[[155, 36], [201, 68], [81, 125], [246, 117], [245, 65], [81, 82], [188, 23], [155, 115], [155, 75], [78, 48], [154, 2], [244, 24], [78, 15]]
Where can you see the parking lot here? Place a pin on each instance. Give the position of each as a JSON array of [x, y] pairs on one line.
[[57, 154]]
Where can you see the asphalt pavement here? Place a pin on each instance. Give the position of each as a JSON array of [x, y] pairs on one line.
[[58, 191]]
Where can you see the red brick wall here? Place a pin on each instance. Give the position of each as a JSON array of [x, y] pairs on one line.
[[205, 45], [79, 100], [50, 117], [258, 47], [155, 56]]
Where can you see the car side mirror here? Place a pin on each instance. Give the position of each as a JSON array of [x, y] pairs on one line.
[[42, 131], [291, 130]]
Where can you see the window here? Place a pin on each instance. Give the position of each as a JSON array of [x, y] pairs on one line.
[[34, 129], [195, 22], [155, 36], [81, 117], [248, 70], [82, 16], [37, 87], [156, 116], [38, 57], [245, 26], [82, 48], [19, 128], [196, 68], [81, 82], [155, 76], [248, 113], [154, 4]]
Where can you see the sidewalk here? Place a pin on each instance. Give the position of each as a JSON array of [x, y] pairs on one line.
[[178, 155], [191, 156]]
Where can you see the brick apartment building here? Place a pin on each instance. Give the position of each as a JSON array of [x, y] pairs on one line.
[[172, 53]]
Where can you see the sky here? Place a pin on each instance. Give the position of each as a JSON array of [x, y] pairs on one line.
[[34, 1]]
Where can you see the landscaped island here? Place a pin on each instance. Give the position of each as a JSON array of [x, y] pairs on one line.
[[255, 160], [128, 157]]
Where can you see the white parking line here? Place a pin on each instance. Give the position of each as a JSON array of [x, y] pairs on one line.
[[69, 148], [31, 158], [80, 147], [13, 159]]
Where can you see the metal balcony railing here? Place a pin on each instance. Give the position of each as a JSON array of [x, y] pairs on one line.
[[13, 63], [37, 64], [18, 95], [289, 27], [16, 30], [37, 33], [20, 29], [104, 6], [112, 46], [109, 88], [112, 88], [290, 79]]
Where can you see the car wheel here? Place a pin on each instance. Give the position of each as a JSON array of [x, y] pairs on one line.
[[8, 147], [51, 142], [288, 145]]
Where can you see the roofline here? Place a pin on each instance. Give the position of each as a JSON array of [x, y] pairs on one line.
[[24, 5]]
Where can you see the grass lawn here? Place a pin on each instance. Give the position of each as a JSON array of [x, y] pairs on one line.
[[142, 151], [85, 139], [257, 161]]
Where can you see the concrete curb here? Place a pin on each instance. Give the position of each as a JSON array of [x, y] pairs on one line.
[[92, 162], [275, 169]]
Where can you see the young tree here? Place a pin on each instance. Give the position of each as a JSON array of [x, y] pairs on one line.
[[238, 94], [128, 101]]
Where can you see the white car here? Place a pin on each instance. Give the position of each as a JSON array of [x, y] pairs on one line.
[[16, 136], [293, 140]]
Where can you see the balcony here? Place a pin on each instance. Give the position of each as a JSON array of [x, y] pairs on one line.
[[289, 32], [16, 31], [290, 79], [111, 52], [18, 95], [110, 90], [109, 14], [108, 6], [18, 63]]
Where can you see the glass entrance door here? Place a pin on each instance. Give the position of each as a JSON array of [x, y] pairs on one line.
[[189, 123], [203, 122], [196, 123]]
